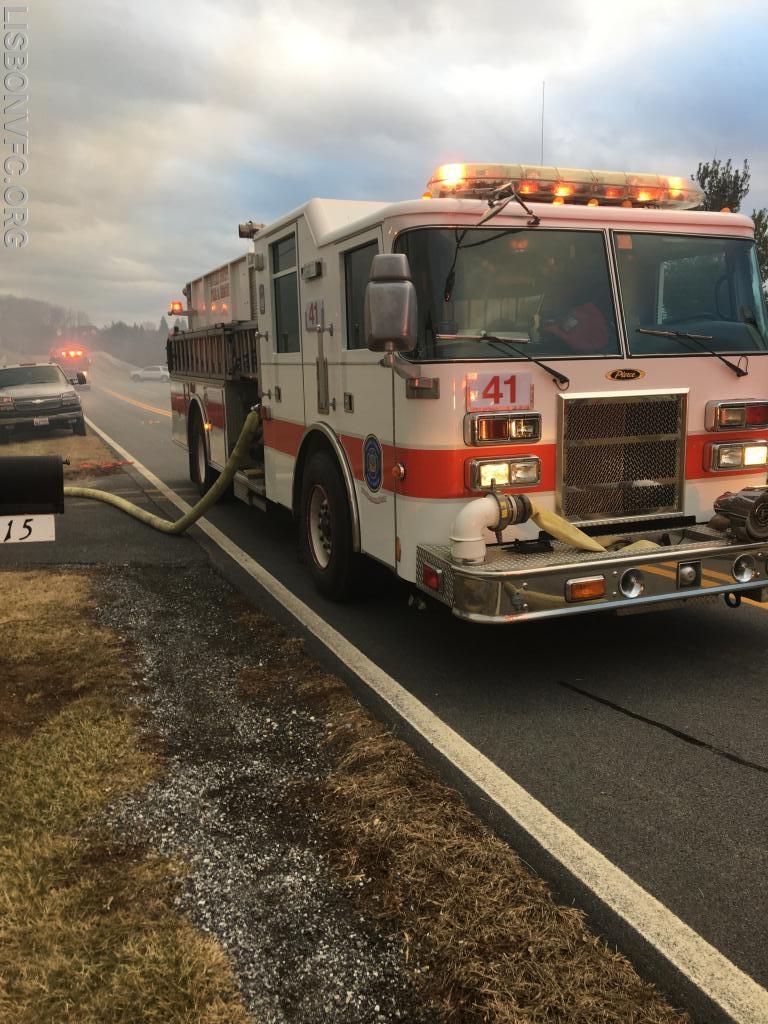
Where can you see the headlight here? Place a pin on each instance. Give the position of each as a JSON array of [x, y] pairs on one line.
[[6, 402], [755, 454], [481, 474], [736, 455], [69, 399]]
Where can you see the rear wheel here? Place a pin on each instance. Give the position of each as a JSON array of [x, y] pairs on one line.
[[326, 527], [200, 469]]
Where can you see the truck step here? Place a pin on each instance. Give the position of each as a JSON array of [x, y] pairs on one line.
[[251, 490]]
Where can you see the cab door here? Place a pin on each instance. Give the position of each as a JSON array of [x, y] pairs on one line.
[[364, 415], [280, 343]]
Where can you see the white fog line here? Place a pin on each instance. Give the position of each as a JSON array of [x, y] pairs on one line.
[[705, 967]]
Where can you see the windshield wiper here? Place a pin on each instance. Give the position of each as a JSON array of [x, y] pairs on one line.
[[559, 378], [699, 339]]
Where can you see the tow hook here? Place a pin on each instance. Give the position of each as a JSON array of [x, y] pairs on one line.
[[732, 600]]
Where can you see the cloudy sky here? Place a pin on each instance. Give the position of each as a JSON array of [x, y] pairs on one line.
[[157, 126]]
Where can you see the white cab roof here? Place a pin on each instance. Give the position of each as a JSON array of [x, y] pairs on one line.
[[330, 220]]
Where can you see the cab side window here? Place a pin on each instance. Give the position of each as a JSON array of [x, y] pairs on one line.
[[357, 271], [286, 294]]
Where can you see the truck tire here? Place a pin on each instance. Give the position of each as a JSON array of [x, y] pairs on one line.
[[326, 528], [79, 427], [200, 470]]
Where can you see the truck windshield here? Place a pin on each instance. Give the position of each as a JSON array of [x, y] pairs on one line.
[[690, 284], [45, 374], [549, 289]]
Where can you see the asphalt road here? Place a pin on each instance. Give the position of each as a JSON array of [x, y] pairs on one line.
[[646, 734]]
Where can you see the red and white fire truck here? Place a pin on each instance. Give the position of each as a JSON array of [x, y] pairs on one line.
[[532, 392], [73, 358]]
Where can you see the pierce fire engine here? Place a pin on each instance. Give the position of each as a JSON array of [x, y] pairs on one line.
[[534, 391]]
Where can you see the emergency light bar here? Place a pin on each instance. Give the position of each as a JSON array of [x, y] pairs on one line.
[[563, 184]]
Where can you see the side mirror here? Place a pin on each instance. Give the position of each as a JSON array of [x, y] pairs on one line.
[[390, 305]]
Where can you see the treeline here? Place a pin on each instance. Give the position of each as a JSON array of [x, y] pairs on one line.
[[32, 328]]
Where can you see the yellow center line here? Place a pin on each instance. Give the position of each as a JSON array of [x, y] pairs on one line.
[[133, 401]]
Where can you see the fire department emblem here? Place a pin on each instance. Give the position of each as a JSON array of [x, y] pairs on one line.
[[372, 462]]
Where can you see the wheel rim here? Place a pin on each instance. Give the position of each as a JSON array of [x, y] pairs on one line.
[[202, 463], [319, 527]]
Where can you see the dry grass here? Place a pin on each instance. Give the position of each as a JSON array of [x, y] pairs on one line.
[[86, 933], [50, 650], [492, 943], [88, 456]]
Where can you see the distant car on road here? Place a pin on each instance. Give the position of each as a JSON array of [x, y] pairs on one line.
[[39, 395], [151, 373]]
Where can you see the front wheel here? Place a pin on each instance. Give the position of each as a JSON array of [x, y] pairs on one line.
[[79, 427], [326, 528]]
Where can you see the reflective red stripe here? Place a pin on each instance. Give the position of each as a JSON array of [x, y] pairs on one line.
[[440, 472], [283, 436]]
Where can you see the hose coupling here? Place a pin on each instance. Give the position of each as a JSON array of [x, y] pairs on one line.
[[513, 508]]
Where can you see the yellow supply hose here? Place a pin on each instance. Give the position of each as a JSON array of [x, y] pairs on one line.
[[576, 538], [237, 459]]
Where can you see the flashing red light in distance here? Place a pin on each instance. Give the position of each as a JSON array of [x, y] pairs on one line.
[[176, 308]]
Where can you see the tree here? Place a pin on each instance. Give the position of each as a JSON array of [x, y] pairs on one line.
[[723, 184], [760, 217]]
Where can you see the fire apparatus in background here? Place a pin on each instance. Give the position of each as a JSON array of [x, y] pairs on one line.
[[533, 392], [73, 358]]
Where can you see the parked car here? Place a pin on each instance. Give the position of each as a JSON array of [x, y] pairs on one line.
[[38, 395], [151, 373]]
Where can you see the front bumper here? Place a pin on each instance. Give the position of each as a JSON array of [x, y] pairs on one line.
[[512, 586], [55, 419]]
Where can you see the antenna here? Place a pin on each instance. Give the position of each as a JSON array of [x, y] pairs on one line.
[[543, 84]]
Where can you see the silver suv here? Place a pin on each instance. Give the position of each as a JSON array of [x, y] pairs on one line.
[[38, 395], [151, 373]]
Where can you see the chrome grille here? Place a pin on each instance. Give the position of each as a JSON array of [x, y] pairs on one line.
[[621, 457], [38, 407]]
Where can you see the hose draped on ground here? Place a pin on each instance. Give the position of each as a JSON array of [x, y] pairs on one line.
[[236, 460]]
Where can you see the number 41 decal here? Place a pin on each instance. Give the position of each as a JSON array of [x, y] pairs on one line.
[[498, 392]]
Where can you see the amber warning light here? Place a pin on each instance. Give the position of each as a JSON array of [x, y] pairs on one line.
[[564, 185], [176, 308]]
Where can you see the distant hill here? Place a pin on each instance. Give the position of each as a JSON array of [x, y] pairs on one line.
[[29, 327]]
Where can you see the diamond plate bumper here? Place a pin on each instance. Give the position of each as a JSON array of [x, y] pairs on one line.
[[512, 586]]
